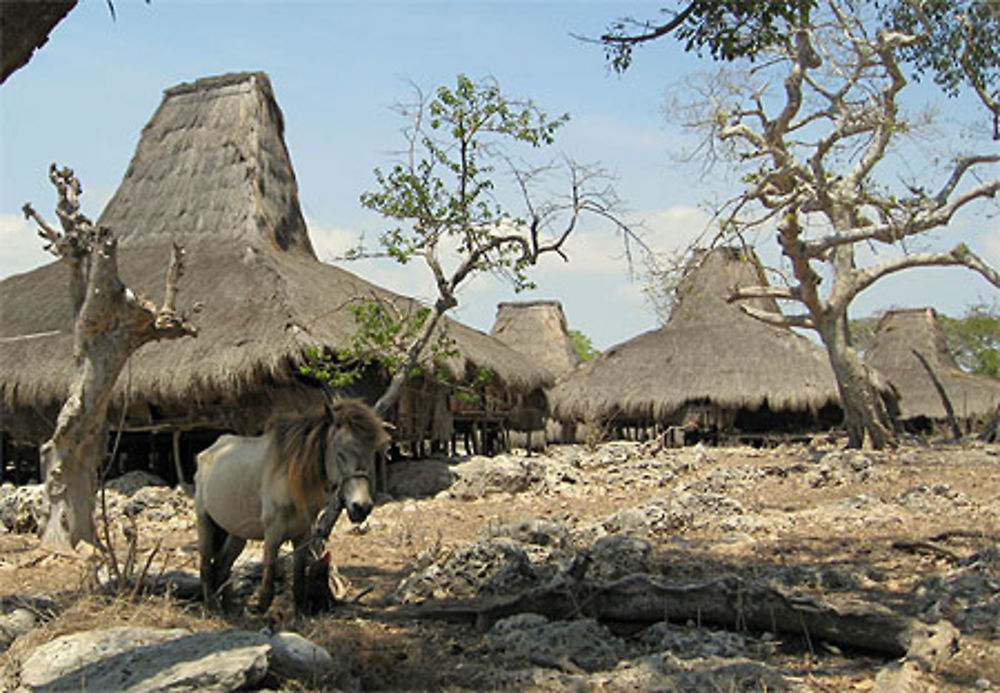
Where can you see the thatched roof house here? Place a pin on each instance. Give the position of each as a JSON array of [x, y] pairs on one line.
[[710, 367], [538, 330], [901, 332], [211, 171]]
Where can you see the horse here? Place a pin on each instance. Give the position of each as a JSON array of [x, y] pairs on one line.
[[272, 487]]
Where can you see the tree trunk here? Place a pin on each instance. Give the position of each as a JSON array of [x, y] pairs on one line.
[[949, 411], [865, 411], [416, 348], [110, 325]]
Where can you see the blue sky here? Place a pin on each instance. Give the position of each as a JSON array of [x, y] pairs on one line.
[[337, 68]]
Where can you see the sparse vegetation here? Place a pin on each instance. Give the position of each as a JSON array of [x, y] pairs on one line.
[[584, 346], [974, 339]]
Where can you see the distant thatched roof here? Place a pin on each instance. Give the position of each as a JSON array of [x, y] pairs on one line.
[[212, 172], [537, 329], [897, 335], [708, 352]]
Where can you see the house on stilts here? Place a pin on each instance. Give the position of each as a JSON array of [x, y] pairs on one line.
[[711, 372], [538, 329], [212, 172]]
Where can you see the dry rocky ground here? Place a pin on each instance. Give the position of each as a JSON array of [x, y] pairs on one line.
[[912, 533]]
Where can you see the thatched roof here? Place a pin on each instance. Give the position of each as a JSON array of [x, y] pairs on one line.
[[212, 172], [708, 352], [538, 330], [898, 334]]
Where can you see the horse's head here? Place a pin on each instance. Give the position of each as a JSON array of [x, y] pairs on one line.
[[356, 435]]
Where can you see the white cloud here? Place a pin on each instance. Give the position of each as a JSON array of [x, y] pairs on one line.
[[674, 228], [22, 248], [330, 242], [991, 244]]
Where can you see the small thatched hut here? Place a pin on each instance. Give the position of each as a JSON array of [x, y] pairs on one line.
[[898, 335], [711, 370], [537, 329], [212, 172]]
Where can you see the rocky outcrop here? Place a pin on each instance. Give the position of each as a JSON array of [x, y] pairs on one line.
[[138, 659]]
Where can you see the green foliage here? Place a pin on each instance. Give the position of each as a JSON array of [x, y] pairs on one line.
[[381, 338], [583, 346], [727, 29], [472, 393], [445, 187], [863, 333], [962, 49], [974, 339]]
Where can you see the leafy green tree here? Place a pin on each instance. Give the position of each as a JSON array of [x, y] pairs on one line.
[[974, 339], [583, 346], [448, 198]]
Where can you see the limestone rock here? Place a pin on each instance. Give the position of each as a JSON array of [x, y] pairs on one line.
[[147, 659], [295, 657]]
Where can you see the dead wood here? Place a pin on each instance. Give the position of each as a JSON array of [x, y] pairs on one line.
[[727, 602], [949, 410], [110, 323], [927, 547]]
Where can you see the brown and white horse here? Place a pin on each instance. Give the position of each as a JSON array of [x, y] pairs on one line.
[[272, 487]]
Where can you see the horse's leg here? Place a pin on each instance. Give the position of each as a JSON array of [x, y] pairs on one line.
[[229, 551], [272, 542], [300, 553], [207, 533]]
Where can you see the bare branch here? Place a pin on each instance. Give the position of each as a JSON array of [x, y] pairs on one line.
[[960, 255], [652, 32], [933, 215], [740, 293], [778, 319]]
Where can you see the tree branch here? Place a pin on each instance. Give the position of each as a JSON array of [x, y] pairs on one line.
[[936, 215], [740, 293], [960, 255], [779, 319]]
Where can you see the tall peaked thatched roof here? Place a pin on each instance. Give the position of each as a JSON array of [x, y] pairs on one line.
[[212, 172], [538, 330], [901, 332], [708, 352], [212, 167]]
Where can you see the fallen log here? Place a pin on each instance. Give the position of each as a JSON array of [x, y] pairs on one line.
[[728, 602]]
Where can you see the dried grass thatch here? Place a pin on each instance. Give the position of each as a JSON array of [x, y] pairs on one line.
[[213, 173], [708, 353], [898, 334], [538, 330]]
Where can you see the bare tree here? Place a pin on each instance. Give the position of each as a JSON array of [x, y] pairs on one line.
[[816, 161], [110, 323]]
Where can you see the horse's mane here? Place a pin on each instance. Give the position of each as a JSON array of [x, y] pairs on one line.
[[299, 445]]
